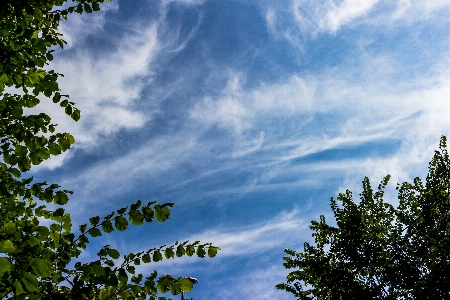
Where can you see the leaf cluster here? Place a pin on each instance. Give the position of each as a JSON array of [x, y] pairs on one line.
[[40, 261], [376, 251]]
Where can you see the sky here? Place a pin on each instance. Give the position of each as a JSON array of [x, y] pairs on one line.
[[249, 115]]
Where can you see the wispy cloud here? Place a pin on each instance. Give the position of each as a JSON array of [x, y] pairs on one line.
[[315, 17], [329, 15], [108, 86], [347, 11], [414, 10], [257, 238]]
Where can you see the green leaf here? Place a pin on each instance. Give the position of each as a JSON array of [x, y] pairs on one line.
[[54, 149], [41, 267], [185, 285], [104, 294], [107, 226], [148, 214], [6, 246], [76, 115], [168, 253], [94, 232], [4, 79], [122, 275], [18, 79], [59, 212], [5, 265], [135, 205], [121, 223], [21, 151], [8, 228], [95, 6], [56, 97], [212, 251], [24, 165], [190, 250], [63, 144], [70, 138], [122, 294], [162, 213], [30, 281], [98, 269], [87, 8], [60, 198], [146, 258], [64, 103], [165, 282], [122, 210], [68, 110], [15, 172], [79, 9], [201, 251], [113, 253], [131, 269], [157, 256], [136, 217], [83, 228], [94, 220], [18, 288], [37, 13], [180, 251], [33, 77], [110, 263]]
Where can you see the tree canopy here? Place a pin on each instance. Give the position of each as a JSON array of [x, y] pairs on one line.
[[40, 261], [377, 251]]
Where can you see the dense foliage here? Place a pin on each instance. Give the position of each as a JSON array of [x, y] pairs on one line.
[[377, 251], [39, 261]]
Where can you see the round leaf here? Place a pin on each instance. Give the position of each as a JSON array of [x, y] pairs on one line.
[[121, 223]]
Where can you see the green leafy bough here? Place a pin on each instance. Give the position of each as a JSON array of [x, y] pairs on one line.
[[37, 261], [377, 251]]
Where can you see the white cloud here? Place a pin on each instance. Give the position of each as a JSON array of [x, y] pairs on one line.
[[317, 16], [314, 17], [227, 112], [104, 89], [237, 110], [147, 163], [247, 147], [259, 237], [115, 78], [346, 12], [414, 10]]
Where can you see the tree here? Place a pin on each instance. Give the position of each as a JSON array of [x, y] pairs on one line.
[[377, 251], [38, 261]]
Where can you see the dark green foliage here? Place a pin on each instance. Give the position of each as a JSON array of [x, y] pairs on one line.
[[377, 251], [36, 261]]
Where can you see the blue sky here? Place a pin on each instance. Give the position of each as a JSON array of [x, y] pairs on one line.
[[248, 115]]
